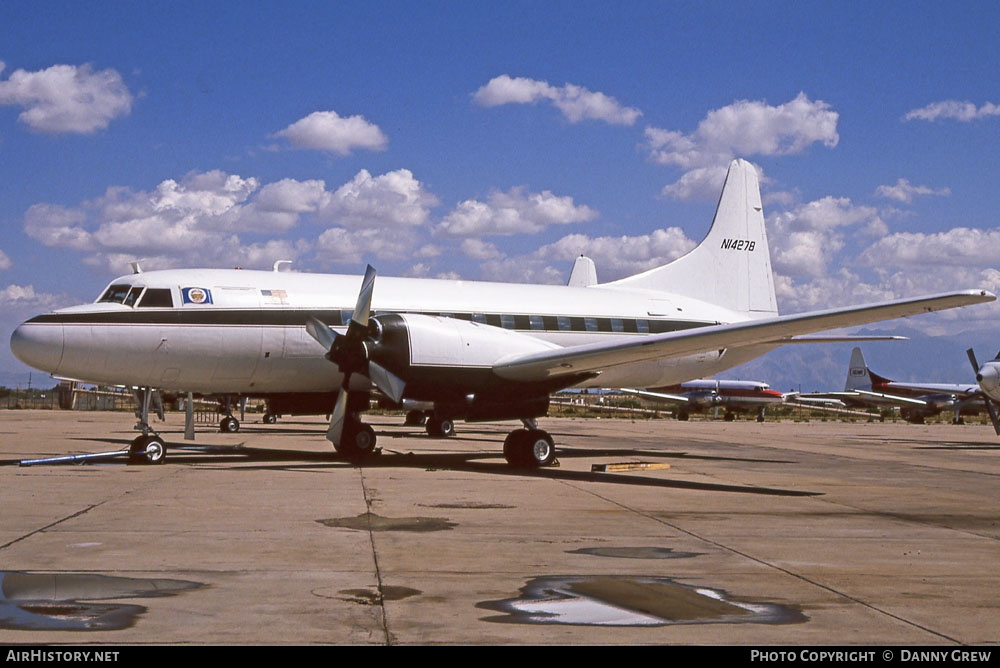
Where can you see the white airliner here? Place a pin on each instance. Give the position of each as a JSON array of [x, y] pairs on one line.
[[916, 401], [460, 349], [706, 394]]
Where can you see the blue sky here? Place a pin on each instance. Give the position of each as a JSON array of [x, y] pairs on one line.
[[497, 141]]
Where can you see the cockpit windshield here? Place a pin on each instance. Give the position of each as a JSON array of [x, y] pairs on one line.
[[115, 293]]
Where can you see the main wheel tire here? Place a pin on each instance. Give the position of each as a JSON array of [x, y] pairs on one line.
[[539, 448], [513, 451], [440, 427], [357, 441], [529, 448], [229, 425], [270, 418]]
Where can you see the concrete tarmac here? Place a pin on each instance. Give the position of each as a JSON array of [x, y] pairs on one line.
[[809, 533]]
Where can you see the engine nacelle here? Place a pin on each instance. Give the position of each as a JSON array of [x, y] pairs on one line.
[[989, 380], [450, 362]]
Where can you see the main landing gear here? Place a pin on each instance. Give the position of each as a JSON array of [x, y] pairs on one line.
[[529, 448]]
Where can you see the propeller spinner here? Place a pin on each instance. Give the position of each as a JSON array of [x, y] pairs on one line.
[[350, 353]]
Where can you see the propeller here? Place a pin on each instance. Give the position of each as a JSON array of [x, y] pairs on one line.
[[989, 402], [351, 355]]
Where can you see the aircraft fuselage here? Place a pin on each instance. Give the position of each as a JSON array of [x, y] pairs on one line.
[[243, 332]]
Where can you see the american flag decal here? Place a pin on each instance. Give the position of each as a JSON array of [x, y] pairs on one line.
[[275, 296]]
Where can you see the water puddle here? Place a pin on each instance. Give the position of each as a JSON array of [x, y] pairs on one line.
[[373, 522], [376, 596], [65, 601], [635, 552], [469, 505], [608, 600]]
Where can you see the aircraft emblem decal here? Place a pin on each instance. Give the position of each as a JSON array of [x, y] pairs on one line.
[[196, 295]]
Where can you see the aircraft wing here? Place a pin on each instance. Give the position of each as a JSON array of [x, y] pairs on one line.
[[891, 398], [676, 398], [778, 331], [964, 390], [847, 338]]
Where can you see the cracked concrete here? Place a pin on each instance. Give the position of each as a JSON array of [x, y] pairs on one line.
[[875, 533]]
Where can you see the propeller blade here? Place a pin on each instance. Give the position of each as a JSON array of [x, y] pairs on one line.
[[972, 359], [338, 417], [319, 331], [993, 414], [386, 381], [362, 310]]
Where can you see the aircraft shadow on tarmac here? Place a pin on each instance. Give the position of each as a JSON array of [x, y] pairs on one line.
[[250, 459]]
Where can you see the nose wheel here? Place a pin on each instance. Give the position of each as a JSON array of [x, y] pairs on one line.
[[229, 425], [147, 449]]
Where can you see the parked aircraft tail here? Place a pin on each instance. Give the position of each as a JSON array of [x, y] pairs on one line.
[[858, 377], [731, 267]]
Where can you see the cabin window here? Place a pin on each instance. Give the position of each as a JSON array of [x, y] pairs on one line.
[[479, 317], [535, 322], [157, 298], [590, 324], [563, 323], [133, 295], [115, 294], [617, 325], [507, 321], [642, 326]]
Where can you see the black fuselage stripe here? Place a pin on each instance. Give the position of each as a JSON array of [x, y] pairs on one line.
[[335, 318]]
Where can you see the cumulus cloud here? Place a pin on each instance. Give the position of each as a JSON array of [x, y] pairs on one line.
[[953, 109], [903, 191], [957, 247], [328, 131], [24, 296], [513, 212], [67, 98], [615, 257], [575, 102], [744, 128], [5, 262], [338, 245], [219, 219], [392, 200], [804, 240]]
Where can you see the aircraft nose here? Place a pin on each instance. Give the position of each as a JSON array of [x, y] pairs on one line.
[[38, 345]]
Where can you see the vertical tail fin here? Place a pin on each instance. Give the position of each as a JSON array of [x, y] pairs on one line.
[[731, 267], [858, 377]]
